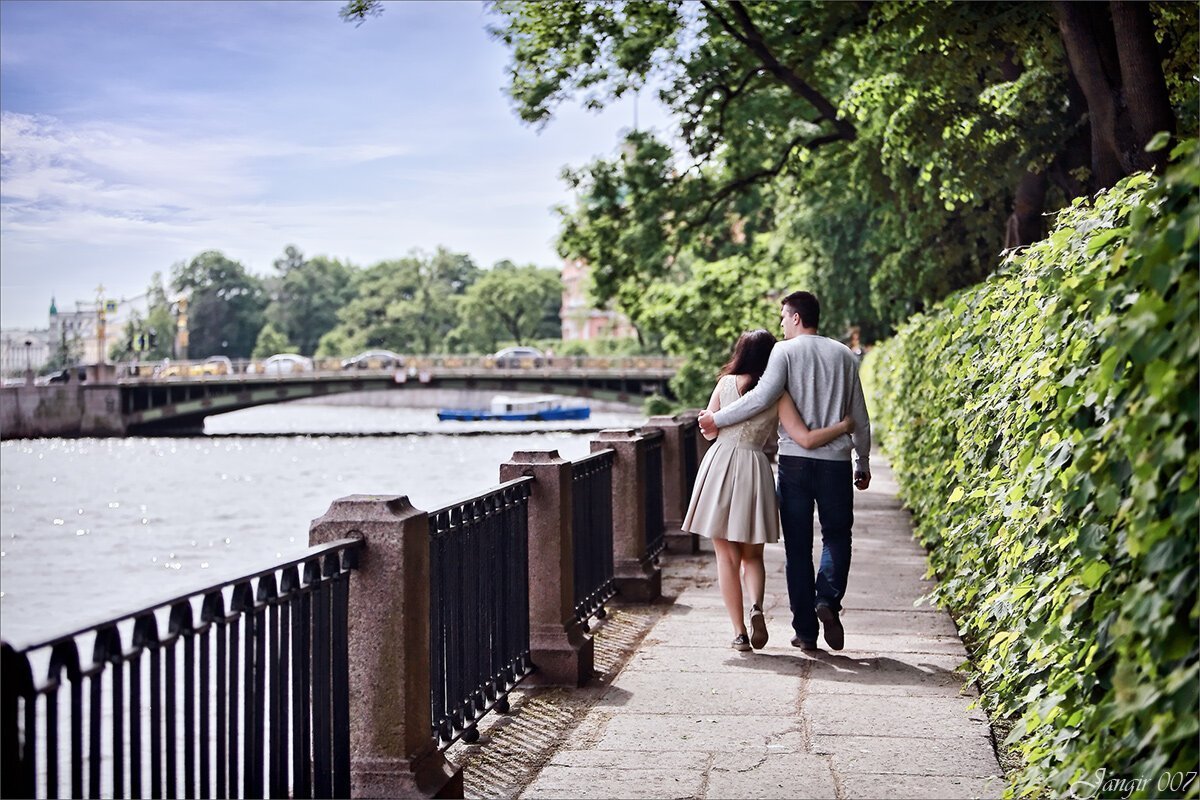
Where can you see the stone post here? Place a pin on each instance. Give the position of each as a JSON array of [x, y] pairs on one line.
[[637, 577], [675, 490], [392, 751], [702, 444], [559, 645]]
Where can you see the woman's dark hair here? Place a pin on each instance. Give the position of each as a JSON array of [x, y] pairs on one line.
[[750, 356]]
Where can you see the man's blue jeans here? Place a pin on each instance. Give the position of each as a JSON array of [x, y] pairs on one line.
[[804, 482]]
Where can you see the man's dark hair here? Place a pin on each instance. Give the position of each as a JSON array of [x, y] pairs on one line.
[[807, 306]]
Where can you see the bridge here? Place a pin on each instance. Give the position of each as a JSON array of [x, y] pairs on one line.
[[158, 399]]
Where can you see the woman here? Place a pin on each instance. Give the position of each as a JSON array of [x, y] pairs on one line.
[[733, 502]]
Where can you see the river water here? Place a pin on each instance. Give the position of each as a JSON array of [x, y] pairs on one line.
[[93, 528]]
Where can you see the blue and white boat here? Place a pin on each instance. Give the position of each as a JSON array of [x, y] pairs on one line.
[[539, 408]]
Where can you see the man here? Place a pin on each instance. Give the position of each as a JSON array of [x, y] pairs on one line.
[[821, 375]]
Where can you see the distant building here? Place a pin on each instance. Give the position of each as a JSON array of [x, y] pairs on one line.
[[16, 356], [580, 320], [78, 330]]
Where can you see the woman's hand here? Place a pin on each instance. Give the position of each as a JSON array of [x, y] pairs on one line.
[[847, 424]]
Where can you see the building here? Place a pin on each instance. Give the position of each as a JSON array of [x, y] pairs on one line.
[[79, 331], [23, 349], [580, 320]]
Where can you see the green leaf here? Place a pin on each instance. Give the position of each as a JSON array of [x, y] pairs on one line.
[[1158, 141]]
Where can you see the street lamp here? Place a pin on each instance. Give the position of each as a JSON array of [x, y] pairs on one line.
[[28, 362]]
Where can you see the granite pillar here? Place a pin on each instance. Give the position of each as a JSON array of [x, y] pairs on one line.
[[676, 492], [392, 750], [636, 576], [559, 644]]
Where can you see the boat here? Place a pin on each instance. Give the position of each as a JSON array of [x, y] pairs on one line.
[[539, 408]]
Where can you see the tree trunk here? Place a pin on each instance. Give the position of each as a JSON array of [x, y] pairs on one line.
[[1029, 201], [1025, 223], [1143, 85], [1114, 56], [1077, 150], [1086, 31]]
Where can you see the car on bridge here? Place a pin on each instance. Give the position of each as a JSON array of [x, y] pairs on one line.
[[519, 357], [213, 365], [283, 363], [374, 359]]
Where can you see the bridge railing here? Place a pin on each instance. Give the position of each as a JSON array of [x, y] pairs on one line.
[[410, 367], [240, 689]]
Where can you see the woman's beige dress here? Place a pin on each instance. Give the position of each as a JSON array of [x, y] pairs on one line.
[[734, 497]]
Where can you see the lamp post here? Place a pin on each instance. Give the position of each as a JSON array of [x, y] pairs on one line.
[[28, 363]]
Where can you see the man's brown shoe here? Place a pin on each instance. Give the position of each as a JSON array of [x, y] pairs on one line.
[[804, 644], [835, 634]]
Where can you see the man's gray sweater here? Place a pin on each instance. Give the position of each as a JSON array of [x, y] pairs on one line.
[[822, 377]]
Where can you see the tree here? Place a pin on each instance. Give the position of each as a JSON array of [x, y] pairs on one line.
[[306, 296], [225, 305], [509, 303], [152, 337], [161, 323], [271, 341], [936, 131], [407, 305]]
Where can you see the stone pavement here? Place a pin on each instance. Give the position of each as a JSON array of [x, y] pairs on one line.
[[677, 713]]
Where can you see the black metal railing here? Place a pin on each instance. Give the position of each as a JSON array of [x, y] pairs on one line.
[[252, 700], [691, 457], [478, 607], [653, 508], [592, 533]]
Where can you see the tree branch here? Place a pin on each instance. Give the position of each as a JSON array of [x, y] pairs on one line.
[[752, 38], [754, 177], [728, 94]]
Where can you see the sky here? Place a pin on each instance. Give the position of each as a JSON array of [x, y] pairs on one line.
[[136, 135]]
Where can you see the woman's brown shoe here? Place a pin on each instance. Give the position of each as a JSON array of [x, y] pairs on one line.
[[758, 624]]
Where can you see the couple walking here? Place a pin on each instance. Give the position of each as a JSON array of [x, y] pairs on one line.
[[805, 380]]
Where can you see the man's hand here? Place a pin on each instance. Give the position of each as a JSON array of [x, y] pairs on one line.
[[707, 426], [862, 480]]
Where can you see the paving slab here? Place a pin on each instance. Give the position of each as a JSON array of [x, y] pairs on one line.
[[769, 776], [946, 715], [971, 756], [642, 734], [920, 787], [606, 783]]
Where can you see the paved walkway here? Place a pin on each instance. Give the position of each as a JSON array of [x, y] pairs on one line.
[[676, 713]]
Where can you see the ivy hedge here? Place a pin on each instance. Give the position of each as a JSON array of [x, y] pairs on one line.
[[1043, 428]]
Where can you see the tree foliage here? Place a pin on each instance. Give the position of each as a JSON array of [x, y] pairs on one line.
[[225, 305], [150, 337], [408, 304], [886, 152], [271, 341], [305, 297], [509, 303], [1043, 427], [160, 325]]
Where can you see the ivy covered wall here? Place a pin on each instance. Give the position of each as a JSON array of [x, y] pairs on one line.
[[1043, 427]]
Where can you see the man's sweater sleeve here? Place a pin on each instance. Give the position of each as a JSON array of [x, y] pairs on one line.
[[861, 437], [770, 387]]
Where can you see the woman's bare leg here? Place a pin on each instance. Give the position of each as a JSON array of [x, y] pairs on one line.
[[729, 577], [756, 577], [754, 571]]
